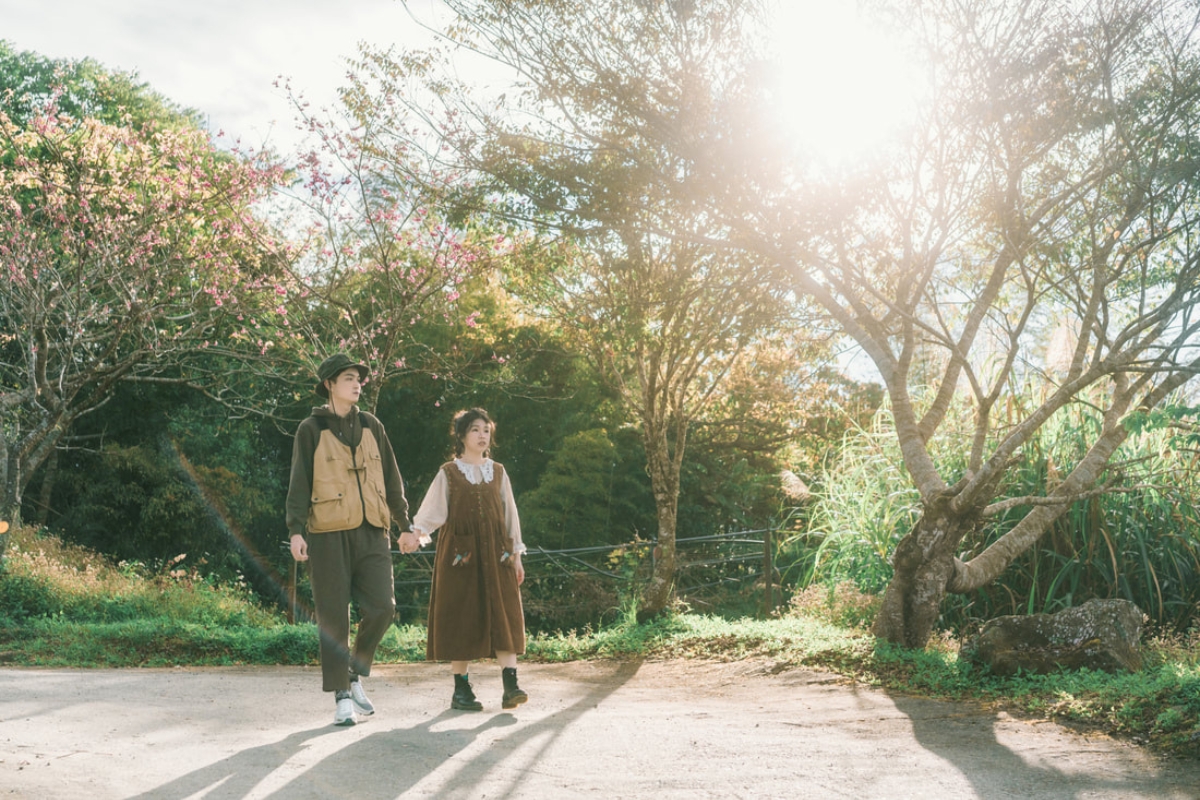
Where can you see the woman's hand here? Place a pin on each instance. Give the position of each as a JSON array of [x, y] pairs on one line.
[[519, 568], [409, 542]]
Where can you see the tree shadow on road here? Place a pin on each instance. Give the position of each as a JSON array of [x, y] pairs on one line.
[[966, 737], [387, 764]]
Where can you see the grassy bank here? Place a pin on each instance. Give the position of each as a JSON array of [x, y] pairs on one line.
[[64, 607]]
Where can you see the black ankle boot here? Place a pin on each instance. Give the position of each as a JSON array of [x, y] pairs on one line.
[[513, 694], [464, 696]]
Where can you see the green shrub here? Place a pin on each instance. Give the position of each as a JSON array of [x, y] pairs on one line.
[[25, 596], [591, 493]]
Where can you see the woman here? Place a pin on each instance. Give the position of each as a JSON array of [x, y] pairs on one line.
[[475, 604]]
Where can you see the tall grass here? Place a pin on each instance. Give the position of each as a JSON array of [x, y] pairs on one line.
[[1140, 542], [65, 605], [865, 505], [46, 577]]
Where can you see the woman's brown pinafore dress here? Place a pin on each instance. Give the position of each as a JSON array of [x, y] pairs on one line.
[[475, 603]]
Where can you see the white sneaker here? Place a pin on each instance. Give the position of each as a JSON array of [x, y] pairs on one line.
[[344, 715], [359, 695]]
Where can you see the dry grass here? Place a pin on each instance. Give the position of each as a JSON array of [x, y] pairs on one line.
[[69, 571], [56, 577], [843, 605]]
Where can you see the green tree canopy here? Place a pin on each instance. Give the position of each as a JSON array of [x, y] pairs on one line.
[[82, 89]]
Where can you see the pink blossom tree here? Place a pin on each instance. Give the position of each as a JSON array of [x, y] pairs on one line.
[[127, 255], [376, 256]]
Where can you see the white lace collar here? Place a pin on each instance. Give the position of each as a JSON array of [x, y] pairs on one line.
[[476, 473]]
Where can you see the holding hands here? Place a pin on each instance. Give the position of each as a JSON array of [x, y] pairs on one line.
[[409, 542]]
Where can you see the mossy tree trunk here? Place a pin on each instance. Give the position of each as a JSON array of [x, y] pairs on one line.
[[924, 565]]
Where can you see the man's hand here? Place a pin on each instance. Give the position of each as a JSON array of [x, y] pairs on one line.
[[409, 542], [299, 547]]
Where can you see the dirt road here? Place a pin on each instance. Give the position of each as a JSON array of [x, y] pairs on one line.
[[594, 730]]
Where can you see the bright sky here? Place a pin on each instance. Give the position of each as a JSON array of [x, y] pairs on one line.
[[218, 56], [223, 56]]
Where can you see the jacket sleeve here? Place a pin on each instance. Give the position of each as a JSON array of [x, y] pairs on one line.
[[299, 496], [393, 482]]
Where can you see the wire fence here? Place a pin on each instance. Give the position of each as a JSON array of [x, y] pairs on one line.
[[574, 586]]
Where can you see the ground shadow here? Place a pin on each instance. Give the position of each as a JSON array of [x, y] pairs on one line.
[[236, 775], [464, 782], [966, 737], [387, 764]]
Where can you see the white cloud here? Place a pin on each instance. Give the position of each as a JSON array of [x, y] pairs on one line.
[[220, 57]]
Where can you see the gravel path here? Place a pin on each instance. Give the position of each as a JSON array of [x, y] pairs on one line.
[[679, 729]]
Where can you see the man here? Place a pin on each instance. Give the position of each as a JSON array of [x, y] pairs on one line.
[[344, 495]]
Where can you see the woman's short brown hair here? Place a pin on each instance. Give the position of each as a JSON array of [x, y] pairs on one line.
[[462, 423]]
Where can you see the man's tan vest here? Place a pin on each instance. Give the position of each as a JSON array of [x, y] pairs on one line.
[[337, 474]]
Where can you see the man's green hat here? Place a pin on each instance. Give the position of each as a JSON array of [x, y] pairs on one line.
[[335, 365]]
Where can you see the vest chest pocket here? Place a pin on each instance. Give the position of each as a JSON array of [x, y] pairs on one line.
[[332, 477], [330, 510]]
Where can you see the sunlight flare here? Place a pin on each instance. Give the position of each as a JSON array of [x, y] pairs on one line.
[[844, 83]]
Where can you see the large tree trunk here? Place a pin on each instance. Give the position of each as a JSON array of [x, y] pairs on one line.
[[664, 465], [658, 593], [19, 458], [924, 564]]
